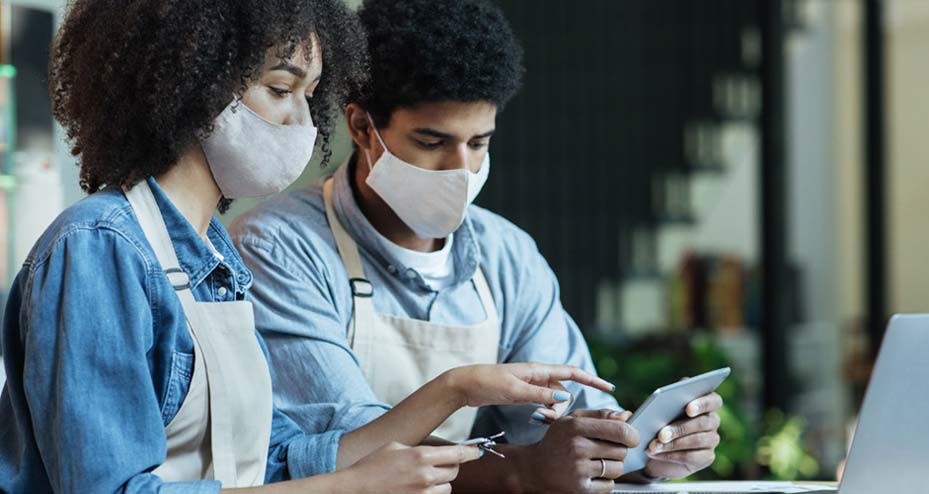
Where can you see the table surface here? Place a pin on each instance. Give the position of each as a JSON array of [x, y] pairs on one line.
[[741, 487]]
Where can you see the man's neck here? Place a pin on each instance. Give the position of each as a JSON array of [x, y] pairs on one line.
[[381, 216]]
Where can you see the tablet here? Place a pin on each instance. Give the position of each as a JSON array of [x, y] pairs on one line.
[[664, 406]]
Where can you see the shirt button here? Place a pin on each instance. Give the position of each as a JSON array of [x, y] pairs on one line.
[[410, 273], [221, 292], [392, 269]]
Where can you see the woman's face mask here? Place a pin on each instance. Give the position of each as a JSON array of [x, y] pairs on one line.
[[262, 143]]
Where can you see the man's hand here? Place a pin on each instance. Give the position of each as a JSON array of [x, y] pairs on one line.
[[688, 445], [582, 452]]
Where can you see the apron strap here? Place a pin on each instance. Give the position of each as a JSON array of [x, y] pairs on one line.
[[362, 289], [483, 291], [156, 232]]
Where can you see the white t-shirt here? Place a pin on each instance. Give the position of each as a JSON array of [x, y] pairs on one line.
[[437, 268]]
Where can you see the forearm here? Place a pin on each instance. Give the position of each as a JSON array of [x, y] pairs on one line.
[[494, 474], [410, 422], [333, 483]]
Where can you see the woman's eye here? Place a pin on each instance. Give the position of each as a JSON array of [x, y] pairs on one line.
[[278, 91]]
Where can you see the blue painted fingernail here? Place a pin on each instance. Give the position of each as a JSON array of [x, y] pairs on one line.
[[562, 396], [480, 453], [538, 416]]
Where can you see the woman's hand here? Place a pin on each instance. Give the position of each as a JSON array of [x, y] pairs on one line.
[[510, 384], [418, 415], [396, 468]]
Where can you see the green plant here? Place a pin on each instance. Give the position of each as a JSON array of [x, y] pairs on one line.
[[781, 448]]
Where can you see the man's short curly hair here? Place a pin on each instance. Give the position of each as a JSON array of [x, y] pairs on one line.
[[135, 82], [437, 50]]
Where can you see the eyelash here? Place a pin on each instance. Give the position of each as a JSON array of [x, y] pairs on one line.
[[280, 93], [429, 145], [436, 145]]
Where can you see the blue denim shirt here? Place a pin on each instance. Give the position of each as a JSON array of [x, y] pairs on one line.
[[99, 359], [303, 306]]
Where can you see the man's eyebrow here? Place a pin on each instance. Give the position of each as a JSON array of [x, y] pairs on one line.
[[443, 135]]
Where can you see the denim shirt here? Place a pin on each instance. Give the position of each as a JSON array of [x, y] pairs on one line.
[[99, 359], [303, 306]]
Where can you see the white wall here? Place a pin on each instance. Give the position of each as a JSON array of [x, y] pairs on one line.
[[847, 150], [908, 154]]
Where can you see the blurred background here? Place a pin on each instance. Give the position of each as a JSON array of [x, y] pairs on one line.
[[715, 182]]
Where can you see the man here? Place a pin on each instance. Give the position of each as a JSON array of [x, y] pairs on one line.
[[372, 284]]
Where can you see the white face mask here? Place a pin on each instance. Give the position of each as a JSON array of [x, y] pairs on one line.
[[252, 157], [433, 203]]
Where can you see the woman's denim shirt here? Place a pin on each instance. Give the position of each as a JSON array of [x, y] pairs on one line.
[[99, 359]]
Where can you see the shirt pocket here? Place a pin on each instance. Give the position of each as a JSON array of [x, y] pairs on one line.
[[182, 366]]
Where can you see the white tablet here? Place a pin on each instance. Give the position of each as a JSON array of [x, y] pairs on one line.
[[664, 406]]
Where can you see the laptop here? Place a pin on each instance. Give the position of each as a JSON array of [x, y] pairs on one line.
[[890, 449]]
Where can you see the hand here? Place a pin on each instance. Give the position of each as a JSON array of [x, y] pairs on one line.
[[396, 468], [688, 445], [510, 384], [551, 413], [568, 459]]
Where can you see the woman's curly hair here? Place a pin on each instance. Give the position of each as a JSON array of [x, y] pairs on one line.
[[135, 82]]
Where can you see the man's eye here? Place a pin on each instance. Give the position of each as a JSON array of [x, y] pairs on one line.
[[430, 145]]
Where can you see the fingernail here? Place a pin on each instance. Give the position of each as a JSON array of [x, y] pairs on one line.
[[665, 435], [480, 453], [538, 416], [653, 446], [692, 410], [612, 387], [562, 396]]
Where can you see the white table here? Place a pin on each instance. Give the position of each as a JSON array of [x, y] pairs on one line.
[[739, 487]]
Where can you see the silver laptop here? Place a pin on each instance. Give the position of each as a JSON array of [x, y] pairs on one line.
[[890, 450]]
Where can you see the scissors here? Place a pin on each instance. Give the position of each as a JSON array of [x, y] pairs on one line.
[[486, 443]]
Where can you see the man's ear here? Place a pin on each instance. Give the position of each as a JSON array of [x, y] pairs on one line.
[[359, 127]]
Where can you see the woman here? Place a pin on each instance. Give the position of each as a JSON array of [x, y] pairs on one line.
[[132, 360]]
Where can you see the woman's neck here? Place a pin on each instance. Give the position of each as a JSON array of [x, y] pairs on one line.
[[191, 187]]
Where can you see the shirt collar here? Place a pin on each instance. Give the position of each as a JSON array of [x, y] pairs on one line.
[[194, 255], [466, 252]]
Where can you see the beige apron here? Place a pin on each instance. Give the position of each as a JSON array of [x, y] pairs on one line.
[[399, 355], [223, 427]]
